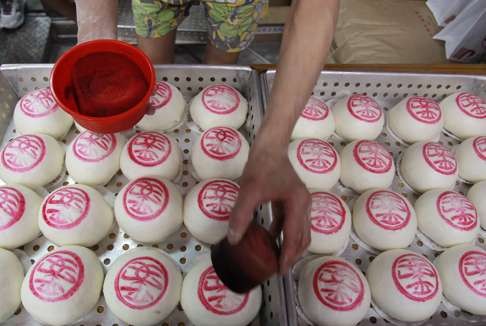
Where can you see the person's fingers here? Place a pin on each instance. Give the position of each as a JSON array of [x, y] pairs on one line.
[[295, 228], [242, 213]]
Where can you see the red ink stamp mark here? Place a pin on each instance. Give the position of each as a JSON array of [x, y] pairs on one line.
[[145, 199], [415, 277], [472, 105], [217, 198], [457, 211], [149, 148], [327, 213], [472, 267], [92, 147], [364, 108], [24, 153], [141, 283], [216, 297], [315, 109], [439, 158], [57, 276], [338, 286], [424, 109], [12, 207], [66, 208], [221, 143], [479, 145], [372, 156], [317, 156], [220, 99], [161, 96], [39, 103], [388, 210]]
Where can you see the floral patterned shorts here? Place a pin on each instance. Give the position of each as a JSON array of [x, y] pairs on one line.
[[232, 23]]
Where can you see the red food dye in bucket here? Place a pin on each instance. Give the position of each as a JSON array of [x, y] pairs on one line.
[[106, 84]]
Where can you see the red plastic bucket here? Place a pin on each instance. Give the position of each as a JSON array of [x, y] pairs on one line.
[[62, 85]]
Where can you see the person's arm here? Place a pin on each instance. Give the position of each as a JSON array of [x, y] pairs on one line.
[[268, 174], [97, 19]]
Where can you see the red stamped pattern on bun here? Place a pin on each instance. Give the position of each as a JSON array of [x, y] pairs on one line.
[[221, 143], [217, 199], [338, 286], [216, 297], [415, 277], [12, 207], [161, 96], [479, 145], [57, 276], [472, 267], [316, 156], [141, 283], [92, 147], [145, 199], [424, 109], [372, 156], [39, 103], [65, 208], [149, 148], [24, 153], [472, 105], [327, 213], [439, 158], [220, 99], [458, 211], [388, 210], [364, 108], [315, 110]]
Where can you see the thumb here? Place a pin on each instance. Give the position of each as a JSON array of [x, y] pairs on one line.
[[242, 214]]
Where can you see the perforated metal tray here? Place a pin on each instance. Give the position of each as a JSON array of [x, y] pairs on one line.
[[16, 80], [387, 89]]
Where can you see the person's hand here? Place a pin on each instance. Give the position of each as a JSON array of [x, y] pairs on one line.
[[269, 176]]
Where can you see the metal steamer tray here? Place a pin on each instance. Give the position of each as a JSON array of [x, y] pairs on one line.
[[16, 80], [387, 89]]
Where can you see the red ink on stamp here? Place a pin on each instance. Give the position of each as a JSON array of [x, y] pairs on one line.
[[217, 198], [141, 283], [39, 103], [24, 153], [472, 268], [472, 105], [388, 210], [92, 147], [424, 109], [216, 297], [338, 286], [65, 208], [220, 99], [12, 207], [439, 158], [145, 199], [372, 156], [57, 276], [221, 143], [415, 277], [364, 108], [327, 213], [149, 148], [457, 211], [317, 156]]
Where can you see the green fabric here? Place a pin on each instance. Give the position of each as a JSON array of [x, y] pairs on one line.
[[232, 24]]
